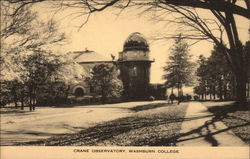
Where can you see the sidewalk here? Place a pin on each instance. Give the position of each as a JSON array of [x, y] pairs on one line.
[[201, 128]]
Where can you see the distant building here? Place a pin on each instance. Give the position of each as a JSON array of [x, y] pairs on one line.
[[133, 62]]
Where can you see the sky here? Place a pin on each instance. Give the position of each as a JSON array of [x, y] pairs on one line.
[[106, 32]]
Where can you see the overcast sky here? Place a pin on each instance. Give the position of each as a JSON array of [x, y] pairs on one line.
[[106, 32]]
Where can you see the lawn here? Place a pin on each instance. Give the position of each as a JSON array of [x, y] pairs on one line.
[[152, 125], [235, 117]]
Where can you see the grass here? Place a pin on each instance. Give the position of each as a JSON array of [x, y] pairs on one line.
[[234, 116], [152, 125]]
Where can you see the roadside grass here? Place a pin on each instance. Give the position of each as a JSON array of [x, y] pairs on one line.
[[151, 125], [234, 116]]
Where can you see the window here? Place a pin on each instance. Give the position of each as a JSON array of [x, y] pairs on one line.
[[133, 71]]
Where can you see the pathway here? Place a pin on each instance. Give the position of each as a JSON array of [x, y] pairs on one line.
[[200, 128]]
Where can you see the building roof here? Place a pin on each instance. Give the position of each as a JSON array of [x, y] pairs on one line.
[[89, 56], [136, 36], [136, 41]]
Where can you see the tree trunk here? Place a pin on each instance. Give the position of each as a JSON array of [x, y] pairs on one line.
[[22, 100], [241, 81], [14, 93], [248, 89], [16, 105], [179, 92], [103, 95], [22, 104], [67, 94], [220, 89], [233, 87], [30, 98], [225, 91], [34, 99], [30, 104], [205, 95]]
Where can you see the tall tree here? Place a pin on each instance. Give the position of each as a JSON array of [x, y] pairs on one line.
[[201, 88], [105, 79], [179, 68]]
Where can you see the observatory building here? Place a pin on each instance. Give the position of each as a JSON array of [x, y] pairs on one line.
[[134, 63]]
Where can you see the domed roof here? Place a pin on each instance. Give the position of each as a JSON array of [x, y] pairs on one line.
[[136, 41]]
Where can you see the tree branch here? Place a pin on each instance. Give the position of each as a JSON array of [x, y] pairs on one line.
[[222, 6]]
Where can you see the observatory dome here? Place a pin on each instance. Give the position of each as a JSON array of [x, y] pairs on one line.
[[136, 41]]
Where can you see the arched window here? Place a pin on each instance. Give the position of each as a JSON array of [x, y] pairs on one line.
[[79, 92], [133, 71]]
